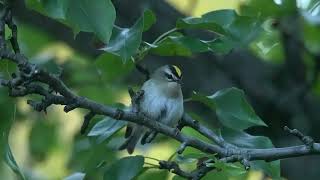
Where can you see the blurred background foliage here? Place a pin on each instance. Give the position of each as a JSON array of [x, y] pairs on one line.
[[49, 145]]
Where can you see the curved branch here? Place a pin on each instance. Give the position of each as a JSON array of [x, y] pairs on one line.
[[30, 79]]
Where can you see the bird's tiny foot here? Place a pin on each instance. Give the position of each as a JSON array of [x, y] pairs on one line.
[[176, 131], [119, 114]]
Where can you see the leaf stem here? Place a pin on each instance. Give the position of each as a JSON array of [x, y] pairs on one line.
[[152, 158], [152, 165], [164, 35]]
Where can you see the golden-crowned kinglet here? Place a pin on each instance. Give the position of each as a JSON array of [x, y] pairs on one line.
[[162, 101]]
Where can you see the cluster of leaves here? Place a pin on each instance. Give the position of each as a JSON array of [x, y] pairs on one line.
[[251, 29]]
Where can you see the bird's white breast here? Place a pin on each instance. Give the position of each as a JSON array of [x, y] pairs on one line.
[[159, 106]]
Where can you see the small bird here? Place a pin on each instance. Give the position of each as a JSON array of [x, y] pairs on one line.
[[162, 101]]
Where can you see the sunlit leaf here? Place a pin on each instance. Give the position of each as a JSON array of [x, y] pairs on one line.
[[92, 16], [125, 168], [232, 31], [232, 108]]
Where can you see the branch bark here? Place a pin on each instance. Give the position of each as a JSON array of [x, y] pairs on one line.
[[30, 79]]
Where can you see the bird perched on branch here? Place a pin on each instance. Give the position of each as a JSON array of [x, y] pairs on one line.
[[162, 101]]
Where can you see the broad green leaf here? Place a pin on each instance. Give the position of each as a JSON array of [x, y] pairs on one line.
[[220, 45], [111, 68], [214, 21], [154, 174], [267, 9], [242, 139], [106, 128], [245, 140], [233, 31], [125, 168], [228, 173], [149, 18], [311, 38], [198, 23], [176, 177], [232, 108], [243, 30], [232, 169], [56, 9], [11, 162], [43, 138], [88, 156], [81, 15], [125, 42], [92, 16], [268, 45], [179, 45], [189, 158], [36, 5]]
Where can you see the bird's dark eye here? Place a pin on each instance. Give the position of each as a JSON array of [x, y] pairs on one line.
[[169, 76]]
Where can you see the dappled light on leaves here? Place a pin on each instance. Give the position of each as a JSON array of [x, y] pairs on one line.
[[71, 73]]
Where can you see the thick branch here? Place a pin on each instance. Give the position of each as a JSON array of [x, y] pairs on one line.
[[30, 79]]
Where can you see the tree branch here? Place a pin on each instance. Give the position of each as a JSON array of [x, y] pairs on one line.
[[31, 79]]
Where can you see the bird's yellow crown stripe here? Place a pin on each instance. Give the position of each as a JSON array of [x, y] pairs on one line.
[[177, 70]]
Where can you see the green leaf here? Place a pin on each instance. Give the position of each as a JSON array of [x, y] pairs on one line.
[[232, 108], [233, 31], [11, 162], [106, 128], [125, 42], [43, 139], [245, 140], [198, 23], [220, 45], [111, 68], [178, 45], [56, 8], [189, 158], [267, 9], [176, 177], [149, 18], [243, 30], [312, 41], [214, 21], [125, 168], [231, 169], [242, 139], [268, 45], [152, 173], [92, 16]]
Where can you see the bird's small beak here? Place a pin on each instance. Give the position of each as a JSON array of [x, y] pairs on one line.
[[179, 81]]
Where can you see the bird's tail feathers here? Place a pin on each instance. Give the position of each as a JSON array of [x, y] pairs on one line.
[[132, 140]]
